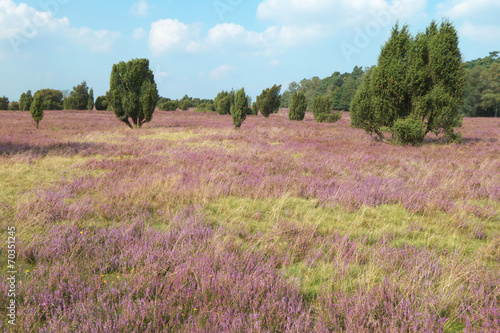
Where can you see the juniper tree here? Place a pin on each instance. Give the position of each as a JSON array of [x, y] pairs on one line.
[[90, 103], [25, 101], [298, 106], [133, 92], [4, 103], [239, 109], [223, 103], [269, 100], [322, 110], [419, 79], [37, 109]]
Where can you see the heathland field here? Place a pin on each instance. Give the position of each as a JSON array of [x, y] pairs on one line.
[[188, 225]]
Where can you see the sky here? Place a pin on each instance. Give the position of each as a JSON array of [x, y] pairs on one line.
[[200, 47]]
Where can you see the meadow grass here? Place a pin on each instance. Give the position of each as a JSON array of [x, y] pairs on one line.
[[188, 225]]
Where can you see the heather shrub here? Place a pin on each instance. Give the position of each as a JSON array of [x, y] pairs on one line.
[[409, 131]]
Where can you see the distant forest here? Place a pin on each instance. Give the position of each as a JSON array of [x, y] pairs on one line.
[[480, 90]]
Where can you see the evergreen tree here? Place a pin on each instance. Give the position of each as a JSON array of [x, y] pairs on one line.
[[223, 103], [4, 103], [322, 110], [269, 100], [417, 78], [14, 106], [133, 93], [52, 99], [298, 106], [90, 103], [25, 101], [448, 77], [78, 98], [101, 103], [239, 109], [37, 109]]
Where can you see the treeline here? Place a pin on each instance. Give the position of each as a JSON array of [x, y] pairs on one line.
[[341, 88], [482, 87], [80, 98], [186, 102]]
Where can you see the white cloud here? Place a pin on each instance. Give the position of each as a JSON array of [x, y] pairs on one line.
[[480, 33], [21, 23], [98, 41], [462, 8], [221, 72], [140, 8], [139, 34], [170, 35]]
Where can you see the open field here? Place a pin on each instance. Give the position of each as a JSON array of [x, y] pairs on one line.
[[187, 225]]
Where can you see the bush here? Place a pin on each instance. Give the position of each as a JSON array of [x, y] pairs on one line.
[[14, 106], [269, 100], [4, 103], [202, 108], [25, 101], [52, 99], [409, 131], [168, 105], [184, 105], [322, 110], [239, 109], [223, 102], [101, 103], [37, 109], [298, 106], [78, 98]]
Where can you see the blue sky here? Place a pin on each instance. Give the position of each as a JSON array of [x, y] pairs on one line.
[[202, 47]]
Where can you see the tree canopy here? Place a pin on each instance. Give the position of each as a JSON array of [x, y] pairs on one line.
[[269, 100], [133, 92], [420, 78]]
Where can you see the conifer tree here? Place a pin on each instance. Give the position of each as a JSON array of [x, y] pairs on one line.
[[133, 93], [90, 104], [239, 109], [37, 109], [269, 100], [416, 80], [298, 106]]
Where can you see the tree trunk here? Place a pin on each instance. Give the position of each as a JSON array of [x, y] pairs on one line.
[[37, 124], [126, 121]]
